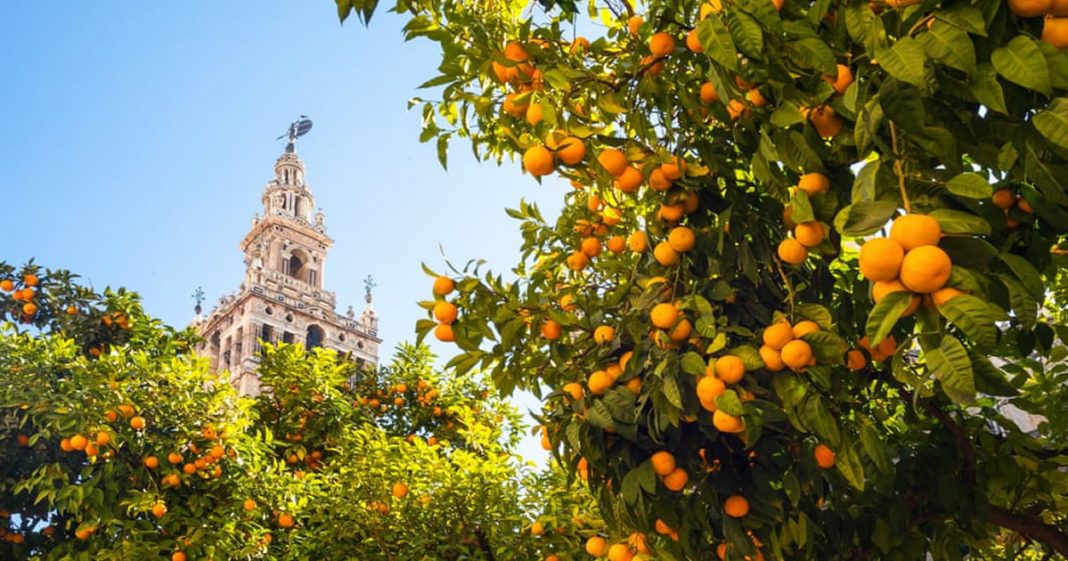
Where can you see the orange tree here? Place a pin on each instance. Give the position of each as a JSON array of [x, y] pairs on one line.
[[117, 443], [808, 269]]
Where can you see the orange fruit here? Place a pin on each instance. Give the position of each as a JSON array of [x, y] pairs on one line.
[[681, 331], [880, 259], [658, 181], [620, 552], [805, 327], [78, 442], [596, 545], [736, 506], [661, 44], [708, 389], [633, 25], [599, 382], [681, 239], [603, 334], [616, 244], [727, 423], [1030, 8], [444, 333], [534, 113], [755, 98], [512, 108], [841, 81], [249, 504], [676, 480], [30, 279], [1055, 31], [285, 520], [637, 242], [126, 410], [671, 213], [151, 462], [1058, 8], [613, 160], [515, 52], [663, 462], [591, 247], [814, 183], [730, 369], [943, 295], [550, 330], [577, 261], [189, 469], [399, 490], [578, 46], [538, 161], [102, 439], [1023, 205], [693, 42], [629, 180], [673, 169], [29, 308], [827, 123], [709, 95], [1004, 199], [880, 289], [443, 285], [665, 254], [174, 458], [925, 269], [159, 509], [571, 151], [792, 252], [913, 230], [445, 312], [7, 285], [810, 234], [735, 109], [777, 335], [855, 360], [797, 354], [664, 315], [178, 556], [137, 423], [824, 456]]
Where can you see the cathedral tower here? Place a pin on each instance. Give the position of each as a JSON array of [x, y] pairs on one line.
[[282, 297]]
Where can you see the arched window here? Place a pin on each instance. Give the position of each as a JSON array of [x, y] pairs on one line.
[[314, 338], [296, 208], [295, 264]]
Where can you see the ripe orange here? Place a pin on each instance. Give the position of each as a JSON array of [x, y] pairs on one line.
[[708, 389], [444, 333], [443, 285], [613, 160], [550, 330], [925, 269], [1004, 199], [1021, 202], [665, 255], [941, 296], [709, 95], [571, 150], [1055, 31], [1030, 8], [1058, 8], [7, 285], [596, 545], [797, 354], [880, 259], [661, 44], [249, 504], [814, 183], [676, 480], [445, 312], [599, 382], [671, 213], [777, 335], [681, 239], [29, 308], [755, 98], [730, 369], [78, 442], [102, 438], [772, 359], [805, 327], [792, 252], [151, 462], [30, 279], [538, 161], [637, 242], [159, 509], [591, 247], [515, 52], [736, 506], [634, 24], [629, 180], [840, 82], [620, 552], [126, 410], [178, 556], [189, 469], [914, 230], [663, 462], [580, 45], [855, 360], [577, 261], [735, 109], [285, 520], [137, 423], [880, 289], [681, 331], [824, 456], [728, 423], [664, 315], [616, 244], [603, 334], [658, 181], [810, 234], [693, 42], [512, 108], [827, 123], [399, 490]]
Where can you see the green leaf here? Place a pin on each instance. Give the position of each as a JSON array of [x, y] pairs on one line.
[[670, 389], [971, 316], [802, 208], [716, 39], [864, 185], [951, 366], [865, 218], [848, 463], [986, 89], [1026, 272], [693, 364], [989, 379], [813, 53], [949, 45], [816, 416], [864, 26], [885, 314], [786, 115], [750, 357], [729, 403], [959, 222], [1021, 62], [965, 17], [817, 313], [599, 416], [1058, 65], [907, 62], [971, 185], [874, 447], [1052, 122], [789, 387], [827, 346], [792, 487], [746, 33]]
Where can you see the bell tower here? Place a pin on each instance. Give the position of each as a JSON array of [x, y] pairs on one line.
[[282, 298]]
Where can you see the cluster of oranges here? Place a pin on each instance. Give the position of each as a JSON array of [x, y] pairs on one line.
[[784, 347], [807, 235], [909, 260], [670, 326], [1054, 22], [204, 461], [727, 369], [445, 312], [25, 294], [671, 475], [1006, 200], [600, 381], [598, 546]]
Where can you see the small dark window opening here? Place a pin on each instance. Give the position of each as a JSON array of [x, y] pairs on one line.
[[314, 337], [287, 337]]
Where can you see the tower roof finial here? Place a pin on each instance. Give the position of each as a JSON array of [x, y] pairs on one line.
[[297, 129]]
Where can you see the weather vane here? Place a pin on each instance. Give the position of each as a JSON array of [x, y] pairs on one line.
[[198, 296], [297, 129], [368, 286]]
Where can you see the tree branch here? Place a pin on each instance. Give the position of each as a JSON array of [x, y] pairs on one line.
[[483, 544], [1032, 527], [960, 438]]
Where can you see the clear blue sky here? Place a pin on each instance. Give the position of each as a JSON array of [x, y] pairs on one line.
[[138, 138]]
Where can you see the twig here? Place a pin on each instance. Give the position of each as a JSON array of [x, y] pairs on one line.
[[899, 168]]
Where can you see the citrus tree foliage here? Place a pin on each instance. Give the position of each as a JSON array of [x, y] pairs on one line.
[[731, 340], [117, 443]]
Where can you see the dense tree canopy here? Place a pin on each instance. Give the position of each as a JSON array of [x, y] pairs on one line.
[[813, 260], [117, 443]]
